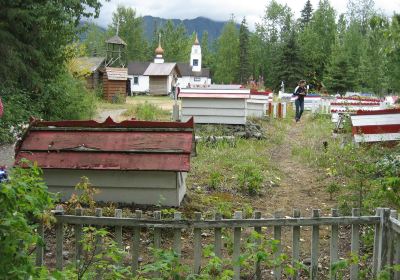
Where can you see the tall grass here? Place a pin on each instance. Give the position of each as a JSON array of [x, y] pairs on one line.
[[147, 112]]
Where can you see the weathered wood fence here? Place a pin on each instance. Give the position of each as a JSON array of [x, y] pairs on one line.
[[386, 240]]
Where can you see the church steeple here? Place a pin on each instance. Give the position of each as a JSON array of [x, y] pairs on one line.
[[159, 51], [195, 56]]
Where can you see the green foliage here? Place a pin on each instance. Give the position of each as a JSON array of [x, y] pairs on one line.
[[107, 261], [67, 98], [147, 112], [94, 41], [306, 14], [24, 198], [83, 195], [316, 40], [17, 111], [131, 31], [34, 46], [227, 54], [250, 179], [175, 42], [33, 37], [369, 174], [167, 264], [332, 189], [215, 180], [244, 66]]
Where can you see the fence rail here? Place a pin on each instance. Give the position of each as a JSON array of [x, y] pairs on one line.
[[386, 240]]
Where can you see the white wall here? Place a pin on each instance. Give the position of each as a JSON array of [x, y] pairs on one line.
[[142, 86], [139, 187]]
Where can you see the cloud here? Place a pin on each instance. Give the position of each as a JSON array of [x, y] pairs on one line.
[[220, 10]]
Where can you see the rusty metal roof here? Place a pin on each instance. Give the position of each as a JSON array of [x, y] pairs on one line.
[[161, 69], [129, 145]]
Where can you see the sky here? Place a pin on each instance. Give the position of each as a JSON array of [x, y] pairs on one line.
[[221, 10]]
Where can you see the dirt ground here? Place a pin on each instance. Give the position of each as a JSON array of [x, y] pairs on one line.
[[7, 155], [301, 186]]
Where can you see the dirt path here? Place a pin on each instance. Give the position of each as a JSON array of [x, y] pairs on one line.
[[301, 186], [115, 114]]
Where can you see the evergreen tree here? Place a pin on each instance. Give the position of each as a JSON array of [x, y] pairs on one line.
[[130, 29], [205, 51], [94, 41], [175, 42], [272, 32], [34, 36], [317, 38], [290, 69], [306, 14], [339, 73], [393, 53], [227, 54], [244, 66]]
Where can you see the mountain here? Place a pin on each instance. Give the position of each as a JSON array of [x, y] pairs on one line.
[[199, 24]]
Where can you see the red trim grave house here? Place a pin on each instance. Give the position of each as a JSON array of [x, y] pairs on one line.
[[131, 162], [376, 126]]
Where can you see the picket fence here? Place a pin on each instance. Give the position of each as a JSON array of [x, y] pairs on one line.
[[386, 225]]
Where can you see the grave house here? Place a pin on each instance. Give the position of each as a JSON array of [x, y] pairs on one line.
[[257, 105], [138, 162], [214, 106], [376, 126]]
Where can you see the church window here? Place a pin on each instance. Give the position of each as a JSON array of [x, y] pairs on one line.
[[195, 62]]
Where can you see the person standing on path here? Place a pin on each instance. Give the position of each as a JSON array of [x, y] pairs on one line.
[[300, 92]]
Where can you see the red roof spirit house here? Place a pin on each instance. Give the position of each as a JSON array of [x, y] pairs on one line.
[[131, 162]]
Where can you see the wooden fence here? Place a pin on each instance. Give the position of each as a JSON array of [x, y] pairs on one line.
[[386, 225]]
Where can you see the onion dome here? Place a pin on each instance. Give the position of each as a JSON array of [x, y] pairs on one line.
[[159, 50], [196, 41]]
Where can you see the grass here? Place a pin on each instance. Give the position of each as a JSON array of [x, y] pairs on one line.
[[362, 176], [134, 100], [147, 112]]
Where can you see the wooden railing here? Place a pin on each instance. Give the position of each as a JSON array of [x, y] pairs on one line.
[[386, 225]]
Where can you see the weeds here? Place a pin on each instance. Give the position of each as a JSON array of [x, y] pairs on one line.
[[147, 112]]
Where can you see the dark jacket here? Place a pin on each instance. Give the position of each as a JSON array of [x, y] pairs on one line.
[[297, 92]]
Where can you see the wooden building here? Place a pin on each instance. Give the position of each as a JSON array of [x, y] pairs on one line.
[[131, 162], [215, 106], [115, 79], [91, 68], [115, 84], [162, 77]]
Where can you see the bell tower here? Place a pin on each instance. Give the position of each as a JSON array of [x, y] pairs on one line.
[[195, 56], [115, 51]]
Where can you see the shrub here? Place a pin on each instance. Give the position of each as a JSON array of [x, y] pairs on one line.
[[215, 180], [67, 98], [17, 109], [250, 179], [62, 98], [24, 198], [147, 112]]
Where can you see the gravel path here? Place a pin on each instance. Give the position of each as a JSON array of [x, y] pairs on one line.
[[114, 114], [7, 155]]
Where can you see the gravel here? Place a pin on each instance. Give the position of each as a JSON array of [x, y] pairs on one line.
[[7, 155]]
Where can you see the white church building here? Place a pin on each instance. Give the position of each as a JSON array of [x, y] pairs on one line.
[[145, 76]]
